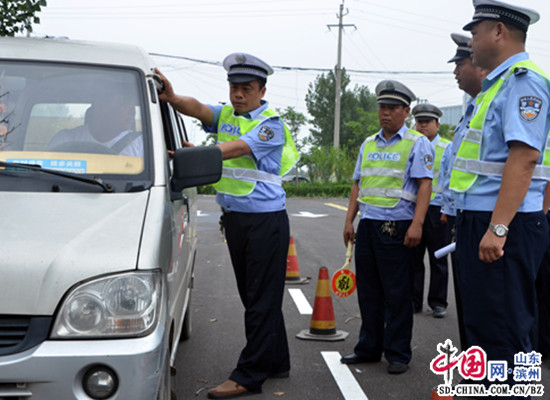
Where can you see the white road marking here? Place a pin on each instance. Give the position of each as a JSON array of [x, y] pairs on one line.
[[301, 302], [344, 378], [200, 214], [307, 214]]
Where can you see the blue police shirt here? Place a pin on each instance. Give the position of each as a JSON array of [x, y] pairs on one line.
[[438, 199], [505, 123], [267, 152], [419, 165], [448, 207]]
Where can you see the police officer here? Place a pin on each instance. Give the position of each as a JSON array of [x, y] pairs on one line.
[[499, 177], [468, 78], [543, 291], [392, 189], [257, 149], [434, 234]]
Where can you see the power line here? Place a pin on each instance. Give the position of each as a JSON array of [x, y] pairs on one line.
[[315, 69]]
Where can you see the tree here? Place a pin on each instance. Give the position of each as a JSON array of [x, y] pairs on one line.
[[19, 15], [294, 121], [320, 100]]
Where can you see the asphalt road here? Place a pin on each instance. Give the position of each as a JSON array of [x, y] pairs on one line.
[[208, 357]]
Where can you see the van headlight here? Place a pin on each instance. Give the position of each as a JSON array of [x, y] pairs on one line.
[[113, 306]]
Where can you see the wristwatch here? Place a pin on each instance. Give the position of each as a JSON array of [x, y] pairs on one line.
[[499, 229]]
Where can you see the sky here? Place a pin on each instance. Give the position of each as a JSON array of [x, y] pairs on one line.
[[406, 40]]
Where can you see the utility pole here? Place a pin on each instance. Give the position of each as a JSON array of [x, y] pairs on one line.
[[339, 75]]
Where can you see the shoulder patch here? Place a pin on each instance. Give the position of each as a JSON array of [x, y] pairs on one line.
[[265, 134], [428, 161], [529, 107]]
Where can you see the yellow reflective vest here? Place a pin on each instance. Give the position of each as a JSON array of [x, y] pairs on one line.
[[383, 171], [240, 175], [439, 148], [468, 164]]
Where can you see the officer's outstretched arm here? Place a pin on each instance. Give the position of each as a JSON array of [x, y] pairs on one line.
[[185, 104]]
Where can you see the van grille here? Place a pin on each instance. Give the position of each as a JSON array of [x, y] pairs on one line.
[[19, 333]]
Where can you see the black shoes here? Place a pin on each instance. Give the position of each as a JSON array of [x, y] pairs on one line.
[[397, 368], [439, 312], [355, 359], [279, 375], [393, 368]]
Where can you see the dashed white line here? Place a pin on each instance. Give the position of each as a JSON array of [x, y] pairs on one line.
[[301, 302], [344, 378]]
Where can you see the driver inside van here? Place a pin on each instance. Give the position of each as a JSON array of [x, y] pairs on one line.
[[109, 127]]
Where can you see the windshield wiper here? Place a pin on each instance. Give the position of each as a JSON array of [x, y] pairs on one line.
[[107, 187]]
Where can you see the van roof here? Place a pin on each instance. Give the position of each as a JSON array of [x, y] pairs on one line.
[[75, 51]]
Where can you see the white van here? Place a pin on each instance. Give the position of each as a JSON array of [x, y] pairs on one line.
[[97, 224]]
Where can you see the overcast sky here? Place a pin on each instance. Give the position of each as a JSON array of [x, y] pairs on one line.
[[407, 40]]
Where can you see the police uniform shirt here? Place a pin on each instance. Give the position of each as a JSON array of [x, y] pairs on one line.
[[266, 197], [447, 204], [438, 199], [419, 165], [448, 207], [504, 123]]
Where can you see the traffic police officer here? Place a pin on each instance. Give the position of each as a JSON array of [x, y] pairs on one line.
[[499, 176], [543, 291], [469, 78], [434, 234], [257, 149], [392, 189]]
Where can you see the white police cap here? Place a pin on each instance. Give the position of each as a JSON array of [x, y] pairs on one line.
[[462, 50], [426, 111], [393, 92], [243, 67], [520, 17]]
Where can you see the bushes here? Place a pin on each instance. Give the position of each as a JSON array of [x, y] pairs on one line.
[[317, 189], [304, 189]]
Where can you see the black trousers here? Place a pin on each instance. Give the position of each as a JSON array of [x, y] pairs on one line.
[[543, 303], [499, 299], [451, 226], [258, 246], [435, 235], [384, 290]]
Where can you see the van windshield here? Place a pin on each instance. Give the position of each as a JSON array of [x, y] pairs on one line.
[[74, 118]]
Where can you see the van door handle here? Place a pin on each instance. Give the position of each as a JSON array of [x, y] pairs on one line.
[[185, 200]]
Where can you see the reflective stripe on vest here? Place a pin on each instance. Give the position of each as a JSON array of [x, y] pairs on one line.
[[468, 165], [240, 175], [439, 147], [383, 171]]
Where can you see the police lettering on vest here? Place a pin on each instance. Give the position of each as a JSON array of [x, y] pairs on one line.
[[383, 156]]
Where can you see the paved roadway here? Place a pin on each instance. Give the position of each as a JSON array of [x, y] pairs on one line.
[[208, 357]]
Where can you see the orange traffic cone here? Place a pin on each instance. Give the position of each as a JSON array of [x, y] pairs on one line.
[[323, 325], [292, 268], [437, 396]]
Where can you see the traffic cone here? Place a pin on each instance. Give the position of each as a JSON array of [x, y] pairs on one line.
[[437, 396], [323, 325], [292, 269]]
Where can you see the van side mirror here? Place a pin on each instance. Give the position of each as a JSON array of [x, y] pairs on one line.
[[195, 166]]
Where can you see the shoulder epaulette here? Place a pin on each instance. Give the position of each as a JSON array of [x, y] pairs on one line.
[[520, 71]]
